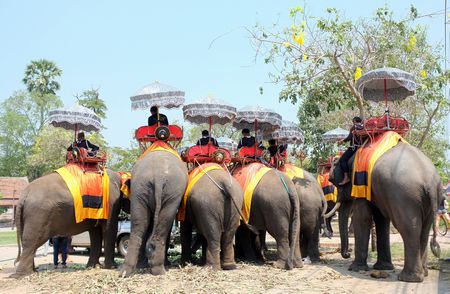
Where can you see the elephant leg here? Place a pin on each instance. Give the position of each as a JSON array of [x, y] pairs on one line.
[[140, 220], [245, 247], [95, 234], [303, 244], [344, 214], [186, 241], [428, 222], [213, 252], [362, 216], [228, 262], [110, 236], [313, 244], [156, 244], [382, 226]]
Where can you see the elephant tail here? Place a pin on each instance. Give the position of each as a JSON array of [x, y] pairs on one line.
[[295, 221], [19, 222], [158, 199]]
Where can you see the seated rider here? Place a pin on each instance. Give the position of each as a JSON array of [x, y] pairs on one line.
[[204, 140], [83, 143], [153, 119], [274, 148], [354, 144], [247, 140]]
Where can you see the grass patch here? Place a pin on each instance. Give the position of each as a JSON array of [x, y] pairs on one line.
[[8, 238]]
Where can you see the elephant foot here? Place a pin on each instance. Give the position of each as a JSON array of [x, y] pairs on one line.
[[383, 266], [110, 265], [213, 266], [19, 275], [425, 271], [345, 254], [314, 259], [93, 265], [158, 270], [410, 277], [229, 266], [298, 263], [356, 267], [126, 271]]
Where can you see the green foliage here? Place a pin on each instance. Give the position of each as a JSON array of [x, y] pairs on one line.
[[91, 99], [40, 77], [49, 151], [22, 117], [320, 69], [123, 159]]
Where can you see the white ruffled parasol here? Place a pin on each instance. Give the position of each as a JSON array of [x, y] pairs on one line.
[[157, 94]]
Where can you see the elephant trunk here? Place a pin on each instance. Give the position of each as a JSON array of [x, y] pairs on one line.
[[332, 211], [344, 214]]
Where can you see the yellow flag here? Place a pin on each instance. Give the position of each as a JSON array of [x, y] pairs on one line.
[[358, 73], [305, 57], [286, 44]]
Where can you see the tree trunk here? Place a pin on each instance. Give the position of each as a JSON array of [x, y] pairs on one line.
[[428, 127]]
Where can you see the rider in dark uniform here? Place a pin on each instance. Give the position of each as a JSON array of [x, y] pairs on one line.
[[83, 143], [204, 140], [354, 144], [153, 119]]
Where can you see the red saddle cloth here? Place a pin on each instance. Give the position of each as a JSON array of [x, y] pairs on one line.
[[207, 153], [81, 157], [382, 124], [147, 133]]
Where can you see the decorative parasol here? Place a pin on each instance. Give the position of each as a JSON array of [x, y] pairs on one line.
[[259, 118], [227, 143], [77, 117], [386, 83], [157, 94], [289, 133], [209, 110], [335, 135]]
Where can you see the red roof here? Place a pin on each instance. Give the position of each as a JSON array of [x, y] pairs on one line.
[[11, 188]]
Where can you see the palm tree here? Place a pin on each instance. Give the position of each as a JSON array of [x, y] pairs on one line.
[[40, 77]]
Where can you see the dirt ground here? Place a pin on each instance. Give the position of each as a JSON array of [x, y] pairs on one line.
[[329, 276]]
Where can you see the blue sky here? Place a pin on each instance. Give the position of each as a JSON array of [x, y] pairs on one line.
[[120, 46]]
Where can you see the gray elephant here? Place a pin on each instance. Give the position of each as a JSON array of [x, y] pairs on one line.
[[213, 207], [275, 208], [46, 209], [312, 208], [406, 190], [159, 181]]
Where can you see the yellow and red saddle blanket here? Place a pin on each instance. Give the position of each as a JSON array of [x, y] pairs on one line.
[[160, 146], [195, 175], [293, 171], [249, 177], [125, 183], [365, 159], [90, 192], [329, 190]]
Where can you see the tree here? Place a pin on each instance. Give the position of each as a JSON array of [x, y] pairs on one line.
[[194, 132], [123, 159], [40, 77], [22, 116], [40, 80], [319, 60], [91, 99], [49, 151]]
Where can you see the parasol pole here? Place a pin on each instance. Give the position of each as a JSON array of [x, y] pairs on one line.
[[76, 129], [256, 135], [210, 129], [386, 104]]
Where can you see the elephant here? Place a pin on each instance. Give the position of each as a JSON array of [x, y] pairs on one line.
[[312, 210], [406, 190], [213, 208], [275, 208], [46, 209], [159, 181], [326, 221]]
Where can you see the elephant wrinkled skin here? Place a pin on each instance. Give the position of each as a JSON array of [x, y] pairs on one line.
[[46, 209], [215, 215], [406, 190], [159, 181]]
